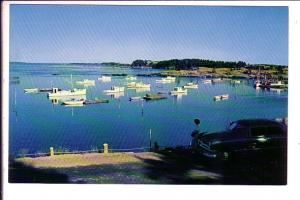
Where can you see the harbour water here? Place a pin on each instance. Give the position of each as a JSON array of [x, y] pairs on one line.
[[36, 123]]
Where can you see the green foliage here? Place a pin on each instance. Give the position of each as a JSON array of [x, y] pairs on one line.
[[185, 64]]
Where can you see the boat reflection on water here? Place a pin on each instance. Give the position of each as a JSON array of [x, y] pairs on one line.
[[273, 90], [89, 84], [116, 95], [59, 100], [74, 105], [138, 90], [178, 97], [277, 90]]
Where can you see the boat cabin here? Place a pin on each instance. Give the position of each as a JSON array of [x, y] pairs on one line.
[[55, 90]]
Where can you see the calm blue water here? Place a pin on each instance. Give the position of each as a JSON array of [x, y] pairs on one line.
[[35, 123]]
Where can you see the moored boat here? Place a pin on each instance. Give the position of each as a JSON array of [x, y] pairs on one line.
[[191, 85], [134, 85], [278, 84], [47, 89], [153, 97], [235, 81], [96, 101], [135, 98], [170, 78], [206, 81], [31, 90], [221, 97], [56, 93], [114, 89], [130, 78], [178, 90], [163, 81], [217, 80], [105, 78], [74, 102], [86, 82]]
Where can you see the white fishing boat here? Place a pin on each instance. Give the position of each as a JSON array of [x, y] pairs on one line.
[[163, 80], [170, 78], [217, 80], [131, 84], [178, 90], [115, 89], [61, 99], [235, 81], [147, 89], [86, 82], [191, 85], [74, 102], [105, 78], [135, 98], [115, 95], [142, 85], [257, 84], [134, 85], [130, 78], [217, 98], [74, 92], [31, 90], [277, 84], [221, 97], [206, 81], [225, 96]]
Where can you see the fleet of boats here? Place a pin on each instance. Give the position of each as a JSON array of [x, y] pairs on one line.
[[67, 97]]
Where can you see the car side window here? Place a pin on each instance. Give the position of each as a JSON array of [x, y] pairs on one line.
[[241, 130], [258, 131], [275, 130], [266, 131]]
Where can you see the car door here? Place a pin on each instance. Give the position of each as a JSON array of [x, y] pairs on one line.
[[239, 139], [269, 141]]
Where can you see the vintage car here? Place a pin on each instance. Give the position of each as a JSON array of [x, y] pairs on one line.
[[256, 138]]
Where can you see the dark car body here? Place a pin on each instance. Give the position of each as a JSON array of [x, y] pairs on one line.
[[252, 137]]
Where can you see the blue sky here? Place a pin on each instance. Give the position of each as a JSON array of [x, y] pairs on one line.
[[74, 33]]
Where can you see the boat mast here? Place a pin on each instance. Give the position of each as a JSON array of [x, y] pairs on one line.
[[72, 81]]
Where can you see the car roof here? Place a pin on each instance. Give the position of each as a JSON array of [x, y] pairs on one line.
[[258, 122]]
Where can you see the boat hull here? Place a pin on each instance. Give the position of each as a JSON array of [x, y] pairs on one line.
[[68, 93]]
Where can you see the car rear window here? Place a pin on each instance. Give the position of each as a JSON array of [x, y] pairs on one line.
[[266, 131]]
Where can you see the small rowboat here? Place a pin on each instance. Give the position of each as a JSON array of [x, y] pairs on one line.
[[135, 98], [31, 90], [97, 101], [221, 97], [74, 102]]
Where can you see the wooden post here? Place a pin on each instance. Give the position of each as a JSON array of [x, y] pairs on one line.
[[51, 151], [105, 148]]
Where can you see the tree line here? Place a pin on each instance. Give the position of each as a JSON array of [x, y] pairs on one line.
[[185, 64]]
